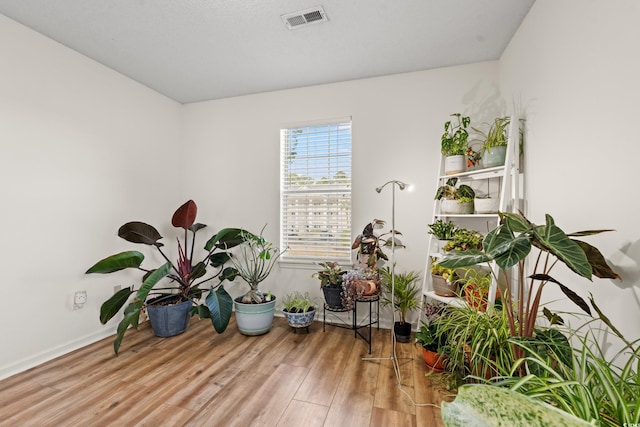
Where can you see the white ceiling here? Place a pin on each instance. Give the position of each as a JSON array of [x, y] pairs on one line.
[[195, 50]]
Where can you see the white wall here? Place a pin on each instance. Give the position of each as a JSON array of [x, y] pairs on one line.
[[233, 167], [573, 69], [84, 150]]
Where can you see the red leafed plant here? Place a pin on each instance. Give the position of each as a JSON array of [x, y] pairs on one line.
[[181, 280]]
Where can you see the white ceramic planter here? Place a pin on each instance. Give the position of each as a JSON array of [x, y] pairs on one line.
[[484, 206], [454, 164], [450, 207], [255, 319]]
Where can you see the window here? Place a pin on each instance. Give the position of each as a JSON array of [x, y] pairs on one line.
[[316, 192]]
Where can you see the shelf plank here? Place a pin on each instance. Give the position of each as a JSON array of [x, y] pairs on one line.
[[455, 301], [494, 172]]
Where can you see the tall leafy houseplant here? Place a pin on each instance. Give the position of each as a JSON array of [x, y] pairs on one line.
[[402, 293], [184, 277], [511, 242]]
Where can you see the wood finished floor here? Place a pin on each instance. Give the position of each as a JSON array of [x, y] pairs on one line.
[[201, 378]]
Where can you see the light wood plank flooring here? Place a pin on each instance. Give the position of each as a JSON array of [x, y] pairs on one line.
[[201, 378]]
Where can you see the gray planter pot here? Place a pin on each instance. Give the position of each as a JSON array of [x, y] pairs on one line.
[[442, 287], [493, 157], [169, 320], [255, 319]]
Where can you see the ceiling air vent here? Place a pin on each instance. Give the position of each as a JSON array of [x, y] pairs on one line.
[[304, 17]]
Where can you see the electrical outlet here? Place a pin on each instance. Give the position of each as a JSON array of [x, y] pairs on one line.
[[79, 299]]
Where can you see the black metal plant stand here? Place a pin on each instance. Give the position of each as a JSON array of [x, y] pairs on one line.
[[372, 319]]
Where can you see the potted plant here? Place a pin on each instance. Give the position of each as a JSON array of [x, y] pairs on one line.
[[299, 310], [510, 243], [369, 244], [443, 280], [477, 282], [476, 344], [463, 240], [485, 204], [331, 283], [181, 287], [443, 231], [358, 283], [403, 296], [430, 341], [454, 199], [254, 259], [454, 143], [494, 146]]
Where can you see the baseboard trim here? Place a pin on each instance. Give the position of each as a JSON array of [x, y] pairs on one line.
[[47, 355]]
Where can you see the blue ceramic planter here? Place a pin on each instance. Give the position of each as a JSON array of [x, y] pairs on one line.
[[300, 320], [169, 320]]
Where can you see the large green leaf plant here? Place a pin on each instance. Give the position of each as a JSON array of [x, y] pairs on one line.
[[174, 281], [511, 243]]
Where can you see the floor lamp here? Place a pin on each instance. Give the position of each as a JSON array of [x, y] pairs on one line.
[[401, 185]]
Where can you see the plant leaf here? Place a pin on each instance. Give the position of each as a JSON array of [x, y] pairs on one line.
[[485, 405], [117, 262], [517, 250], [220, 305], [463, 258], [185, 215], [197, 227], [150, 282], [229, 273], [198, 271], [577, 299], [552, 239], [553, 318], [110, 307], [219, 259], [516, 221], [201, 310], [139, 232], [599, 265], [226, 238], [556, 344], [131, 318]]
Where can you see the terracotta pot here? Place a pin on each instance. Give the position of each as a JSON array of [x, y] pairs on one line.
[[434, 361], [475, 298], [366, 287]]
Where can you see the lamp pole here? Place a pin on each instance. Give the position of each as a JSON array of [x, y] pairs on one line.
[[401, 185]]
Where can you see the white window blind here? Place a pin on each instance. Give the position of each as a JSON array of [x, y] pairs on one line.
[[316, 192]]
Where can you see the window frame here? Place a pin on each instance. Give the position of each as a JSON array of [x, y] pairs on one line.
[[341, 192]]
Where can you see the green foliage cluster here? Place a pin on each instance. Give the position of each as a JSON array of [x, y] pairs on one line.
[[455, 136], [442, 230], [406, 291], [449, 191], [463, 240], [297, 302]]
